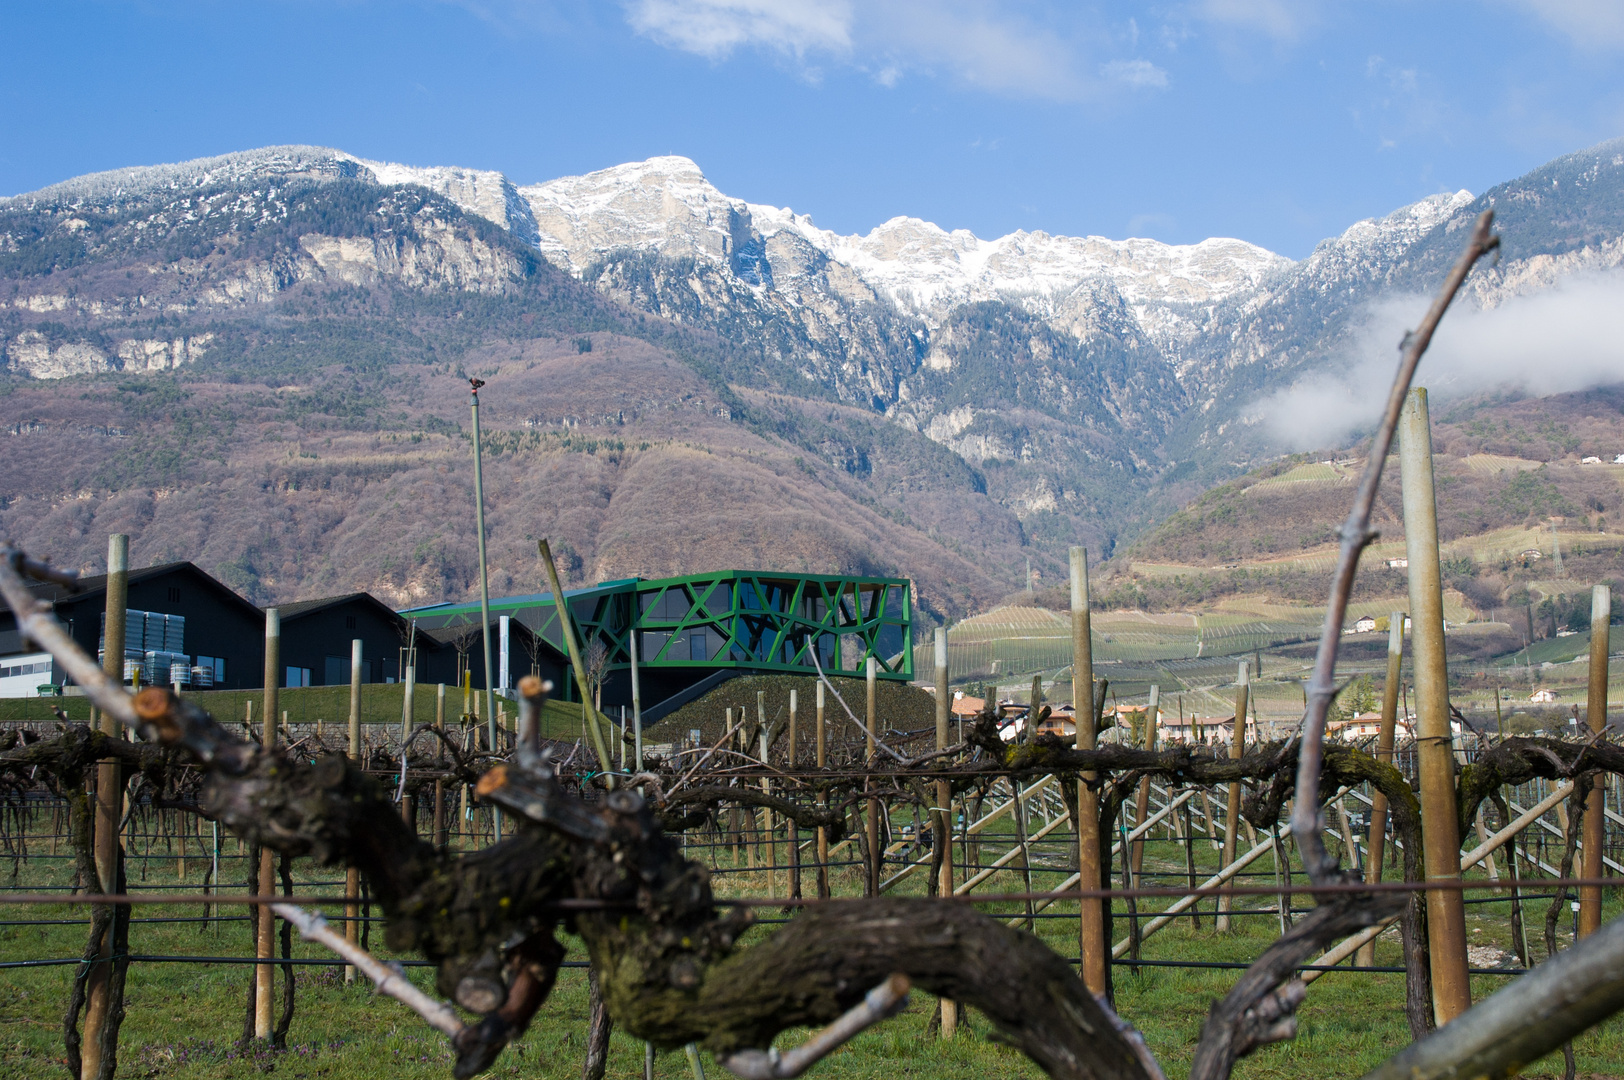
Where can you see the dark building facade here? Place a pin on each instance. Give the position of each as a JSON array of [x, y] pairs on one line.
[[217, 628], [183, 624], [316, 649]]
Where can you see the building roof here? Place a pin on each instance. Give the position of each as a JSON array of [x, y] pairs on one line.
[[92, 584], [301, 608]]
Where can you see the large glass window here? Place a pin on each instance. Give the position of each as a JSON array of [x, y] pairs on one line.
[[888, 643], [672, 605]]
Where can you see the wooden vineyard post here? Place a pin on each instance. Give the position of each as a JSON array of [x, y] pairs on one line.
[[1095, 949], [637, 697], [265, 973], [1232, 810], [109, 805], [1142, 801], [872, 888], [943, 811], [1601, 613], [791, 829], [439, 782], [408, 709], [352, 876], [769, 837], [1377, 837], [823, 833], [1440, 828]]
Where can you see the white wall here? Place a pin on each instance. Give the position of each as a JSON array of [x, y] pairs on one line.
[[23, 685]]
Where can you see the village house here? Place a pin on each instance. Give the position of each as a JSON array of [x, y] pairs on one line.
[[1543, 696], [1367, 725], [1202, 730]]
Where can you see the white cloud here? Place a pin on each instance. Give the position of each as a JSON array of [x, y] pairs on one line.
[[977, 43], [1135, 73], [1401, 106], [1283, 20], [1592, 24], [1553, 342], [714, 28], [982, 43]]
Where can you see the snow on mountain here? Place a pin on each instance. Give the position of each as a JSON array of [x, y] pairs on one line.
[[268, 163], [477, 191], [666, 206]]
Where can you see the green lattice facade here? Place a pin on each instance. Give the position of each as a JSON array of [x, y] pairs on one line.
[[689, 627]]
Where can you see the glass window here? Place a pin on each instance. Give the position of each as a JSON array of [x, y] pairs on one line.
[[698, 644], [651, 642], [888, 643], [672, 605], [826, 650], [872, 595], [296, 676]]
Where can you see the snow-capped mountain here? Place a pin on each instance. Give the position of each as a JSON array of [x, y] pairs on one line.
[[666, 206], [1078, 373]]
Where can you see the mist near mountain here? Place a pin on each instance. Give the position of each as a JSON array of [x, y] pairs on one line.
[[1567, 338]]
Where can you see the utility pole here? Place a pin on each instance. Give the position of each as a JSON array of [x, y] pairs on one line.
[[484, 587]]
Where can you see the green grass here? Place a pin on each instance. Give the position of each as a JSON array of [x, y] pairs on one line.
[[1552, 650], [381, 703], [183, 1020]]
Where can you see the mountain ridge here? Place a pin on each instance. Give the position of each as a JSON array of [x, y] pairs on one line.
[[1080, 388]]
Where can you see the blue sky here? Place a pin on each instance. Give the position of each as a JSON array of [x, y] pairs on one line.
[[1277, 121]]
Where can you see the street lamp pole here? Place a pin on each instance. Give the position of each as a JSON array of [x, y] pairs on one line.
[[484, 586]]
